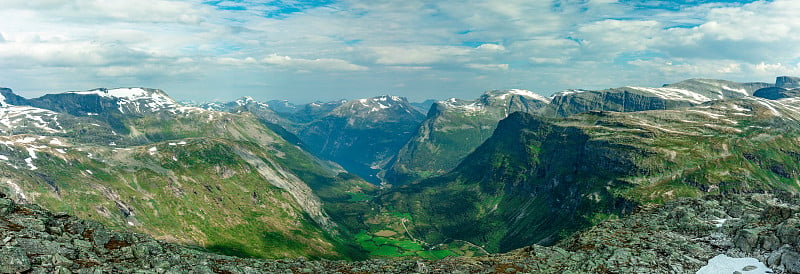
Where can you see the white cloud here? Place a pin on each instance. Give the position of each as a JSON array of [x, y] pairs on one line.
[[611, 37], [99, 10], [235, 61], [448, 45], [145, 71], [546, 50], [544, 60], [488, 66], [775, 69], [417, 55], [312, 65], [750, 33], [66, 54], [491, 47]]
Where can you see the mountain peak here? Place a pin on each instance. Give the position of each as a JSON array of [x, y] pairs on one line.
[[245, 100], [381, 105], [134, 100], [8, 97], [381, 102], [503, 94], [125, 93]]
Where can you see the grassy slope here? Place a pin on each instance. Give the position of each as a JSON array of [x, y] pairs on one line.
[[198, 192], [539, 179]]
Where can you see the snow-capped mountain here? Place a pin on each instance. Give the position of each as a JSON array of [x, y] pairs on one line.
[[132, 100], [364, 134], [380, 107]]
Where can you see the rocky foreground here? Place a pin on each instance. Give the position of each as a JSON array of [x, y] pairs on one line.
[[677, 237]]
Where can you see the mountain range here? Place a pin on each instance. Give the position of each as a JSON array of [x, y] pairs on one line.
[[377, 178]]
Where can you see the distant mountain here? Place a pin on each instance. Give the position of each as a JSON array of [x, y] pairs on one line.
[[312, 111], [629, 99], [539, 178], [111, 106], [133, 158], [363, 135], [785, 87], [424, 106], [360, 135], [453, 129], [283, 106]]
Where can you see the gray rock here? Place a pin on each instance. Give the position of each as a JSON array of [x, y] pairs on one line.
[[789, 231], [791, 261], [774, 258], [746, 240], [40, 247], [769, 241], [6, 206], [13, 260]]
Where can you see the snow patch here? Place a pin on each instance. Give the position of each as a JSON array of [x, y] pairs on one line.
[[739, 108], [13, 117], [771, 108], [17, 191], [529, 94], [741, 90], [675, 94], [29, 162], [135, 99], [719, 222], [57, 142], [724, 264], [569, 92]]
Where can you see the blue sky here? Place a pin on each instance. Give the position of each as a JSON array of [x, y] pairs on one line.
[[323, 50]]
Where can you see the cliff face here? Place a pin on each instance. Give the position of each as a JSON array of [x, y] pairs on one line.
[[453, 129], [622, 100], [629, 99]]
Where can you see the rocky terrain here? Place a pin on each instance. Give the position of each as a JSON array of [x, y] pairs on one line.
[[677, 237]]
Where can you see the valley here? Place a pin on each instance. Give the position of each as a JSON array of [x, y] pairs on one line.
[[506, 179]]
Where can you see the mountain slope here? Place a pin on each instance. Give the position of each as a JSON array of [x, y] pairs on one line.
[[219, 180], [537, 178], [453, 129]]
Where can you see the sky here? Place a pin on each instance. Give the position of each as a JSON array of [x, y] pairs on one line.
[[306, 51]]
